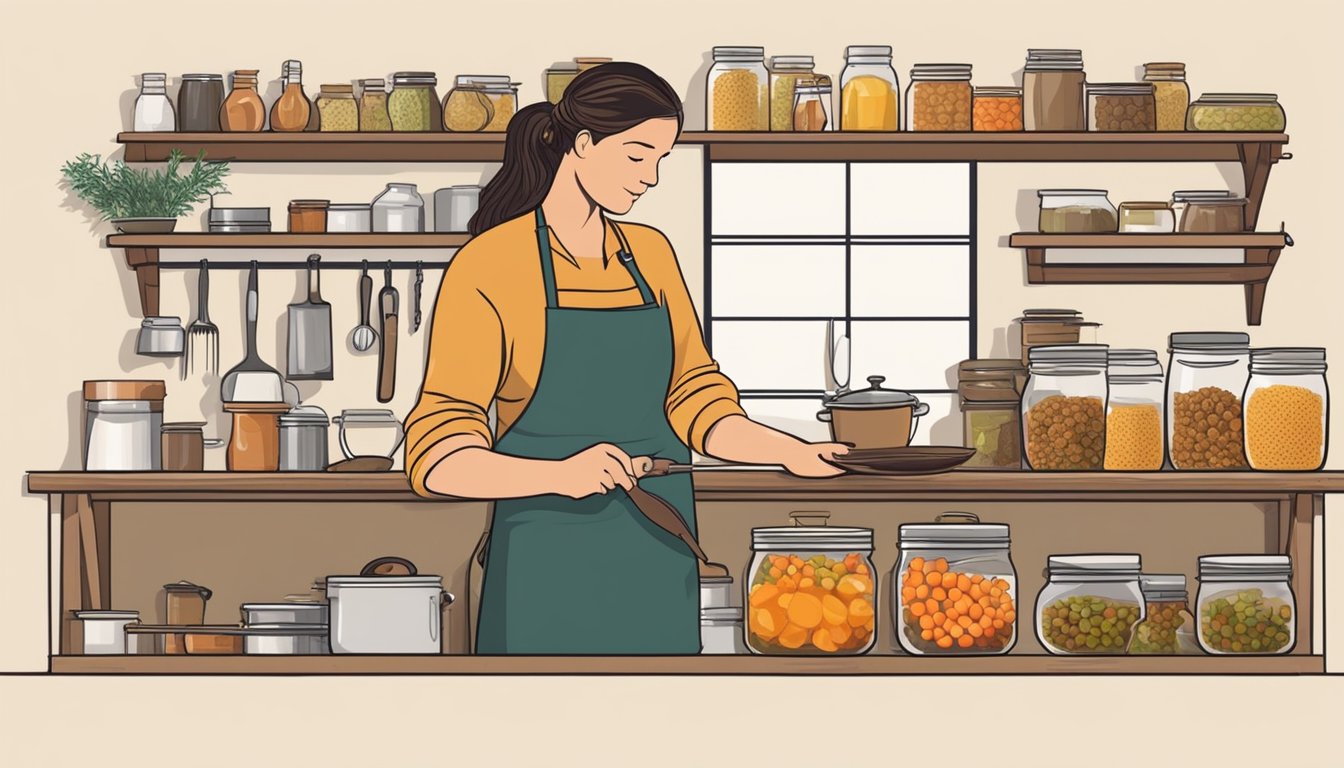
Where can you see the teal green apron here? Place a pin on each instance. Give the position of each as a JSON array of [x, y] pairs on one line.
[[593, 575]]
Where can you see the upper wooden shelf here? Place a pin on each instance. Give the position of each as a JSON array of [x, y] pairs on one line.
[[1144, 240], [290, 240]]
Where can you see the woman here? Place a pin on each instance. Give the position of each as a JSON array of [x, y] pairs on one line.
[[582, 334]]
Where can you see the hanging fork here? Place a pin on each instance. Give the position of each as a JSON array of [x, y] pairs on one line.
[[201, 328]]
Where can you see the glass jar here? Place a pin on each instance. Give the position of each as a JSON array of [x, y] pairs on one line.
[[558, 79], [1052, 90], [996, 109], [1171, 93], [243, 110], [1181, 199], [958, 588], [1241, 112], [938, 98], [480, 103], [1135, 438], [153, 109], [1064, 407], [413, 104], [1246, 604], [199, 101], [1052, 327], [1147, 217], [349, 217], [1205, 380], [373, 114], [1090, 604], [292, 111], [870, 93], [1077, 210], [811, 589], [785, 71], [337, 110], [737, 91], [1168, 627], [1121, 107], [1214, 214], [1286, 409], [812, 104], [994, 429], [399, 209]]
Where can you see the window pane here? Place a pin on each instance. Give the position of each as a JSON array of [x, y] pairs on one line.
[[910, 199], [798, 417], [910, 354], [772, 355], [778, 199], [779, 280], [911, 280]]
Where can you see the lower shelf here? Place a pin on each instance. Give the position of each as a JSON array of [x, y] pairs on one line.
[[1014, 664]]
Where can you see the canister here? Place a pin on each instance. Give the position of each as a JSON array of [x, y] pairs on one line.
[[716, 592], [122, 421], [303, 440], [454, 207], [1090, 603], [105, 631], [308, 216], [349, 217], [183, 446], [721, 631]]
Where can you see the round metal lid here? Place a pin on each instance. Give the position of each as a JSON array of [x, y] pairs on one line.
[[1084, 354], [953, 529], [805, 538], [1234, 341], [1159, 585], [1248, 566], [419, 580], [1101, 565], [874, 396], [305, 415], [721, 615], [108, 615]]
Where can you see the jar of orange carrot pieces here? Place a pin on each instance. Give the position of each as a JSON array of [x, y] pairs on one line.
[[956, 588], [811, 589]]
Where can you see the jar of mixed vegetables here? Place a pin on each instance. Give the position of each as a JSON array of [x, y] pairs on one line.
[[1090, 604], [1246, 604], [956, 588], [811, 589], [1168, 628]]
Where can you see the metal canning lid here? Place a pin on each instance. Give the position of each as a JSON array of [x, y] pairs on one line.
[[953, 535], [1224, 567], [1120, 89], [941, 71], [1158, 586], [414, 78], [373, 83], [1226, 342], [304, 415], [867, 50], [998, 91], [1201, 194], [1145, 205], [133, 615], [721, 615], [201, 77], [792, 61], [1069, 353], [811, 538], [1133, 357], [1288, 360], [1236, 98], [739, 52], [1067, 193], [355, 416], [874, 396], [1102, 565]]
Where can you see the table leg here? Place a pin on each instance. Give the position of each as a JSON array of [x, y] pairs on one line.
[[72, 581]]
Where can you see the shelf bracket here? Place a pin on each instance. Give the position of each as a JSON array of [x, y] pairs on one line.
[[1255, 292], [145, 262], [1256, 161], [1035, 266]]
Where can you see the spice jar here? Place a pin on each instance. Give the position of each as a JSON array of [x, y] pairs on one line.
[[1214, 214], [991, 412], [153, 109], [1064, 407], [373, 115], [1121, 107], [1171, 93], [1148, 217], [1052, 327], [1287, 405], [1077, 211], [1168, 627], [243, 110], [122, 421], [480, 103], [1090, 604], [785, 72], [996, 109], [811, 589], [182, 446], [292, 111], [1244, 112], [1181, 199], [737, 92], [413, 104], [1135, 438], [958, 588], [870, 93], [938, 98], [399, 208], [1052, 90], [812, 104], [1246, 604], [1205, 380], [308, 215], [337, 110], [199, 101]]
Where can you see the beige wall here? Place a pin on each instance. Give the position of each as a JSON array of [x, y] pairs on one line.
[[69, 72]]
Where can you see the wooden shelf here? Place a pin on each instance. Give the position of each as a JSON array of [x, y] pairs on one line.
[[1012, 664], [1260, 253]]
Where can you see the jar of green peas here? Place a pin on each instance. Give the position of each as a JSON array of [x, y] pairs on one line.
[[1090, 604], [1246, 604]]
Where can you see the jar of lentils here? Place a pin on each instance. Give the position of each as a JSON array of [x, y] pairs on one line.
[[373, 115], [938, 98], [1246, 604], [1205, 380], [1286, 407], [1064, 407], [1171, 93], [1168, 627], [1090, 604], [1121, 107]]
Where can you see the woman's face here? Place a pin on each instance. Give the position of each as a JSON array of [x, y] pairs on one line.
[[616, 171]]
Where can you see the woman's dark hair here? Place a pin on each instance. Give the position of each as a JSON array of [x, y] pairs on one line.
[[605, 100]]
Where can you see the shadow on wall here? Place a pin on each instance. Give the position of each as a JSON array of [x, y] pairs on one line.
[[694, 106]]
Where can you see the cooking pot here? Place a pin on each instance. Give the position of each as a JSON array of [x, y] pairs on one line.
[[873, 417], [378, 613]]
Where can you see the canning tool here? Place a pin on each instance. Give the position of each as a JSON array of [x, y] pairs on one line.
[[419, 279], [201, 329], [387, 354], [364, 335], [309, 344], [651, 467], [252, 381]]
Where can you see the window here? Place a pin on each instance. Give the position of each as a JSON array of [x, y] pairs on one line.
[[888, 249]]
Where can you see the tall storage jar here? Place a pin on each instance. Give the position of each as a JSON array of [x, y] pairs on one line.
[[1168, 628], [1135, 438], [1287, 409], [811, 590], [399, 209], [737, 92], [1171, 91], [1064, 407], [1205, 381], [122, 422], [957, 587], [1090, 604], [870, 93], [785, 72], [1246, 604], [413, 104], [938, 98], [1053, 85]]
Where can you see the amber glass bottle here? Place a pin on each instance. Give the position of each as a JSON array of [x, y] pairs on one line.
[[292, 110]]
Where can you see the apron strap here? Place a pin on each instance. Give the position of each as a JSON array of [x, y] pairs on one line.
[[626, 256]]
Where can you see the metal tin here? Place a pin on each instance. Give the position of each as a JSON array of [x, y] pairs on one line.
[[454, 207], [239, 216], [310, 613], [303, 440], [721, 631], [286, 639], [716, 592], [349, 217]]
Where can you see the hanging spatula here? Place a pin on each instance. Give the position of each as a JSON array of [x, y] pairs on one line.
[[252, 381]]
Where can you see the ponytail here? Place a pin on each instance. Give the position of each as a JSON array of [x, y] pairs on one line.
[[530, 163]]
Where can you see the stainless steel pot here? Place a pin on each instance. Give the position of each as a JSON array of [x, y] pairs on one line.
[[874, 417], [284, 613], [387, 614], [303, 440], [285, 639]]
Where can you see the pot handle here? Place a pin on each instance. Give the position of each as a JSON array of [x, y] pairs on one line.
[[957, 517], [368, 570], [824, 415], [434, 617], [920, 410]]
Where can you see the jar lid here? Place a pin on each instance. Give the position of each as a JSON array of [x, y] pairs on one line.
[[125, 389], [1068, 353], [1054, 59], [154, 76], [1070, 193], [1038, 314], [246, 72], [1146, 205], [1200, 194], [792, 61], [813, 85], [345, 88], [358, 416], [414, 78], [731, 615], [1165, 65], [1120, 89], [811, 537], [304, 415], [1288, 360], [1228, 342], [183, 426], [868, 50], [584, 62], [187, 586], [998, 91], [373, 83], [739, 52], [305, 204], [1131, 357], [874, 396], [108, 615], [201, 77], [563, 68], [1159, 586], [1239, 98], [161, 321], [954, 530], [941, 72], [1100, 565], [349, 207], [1003, 366], [716, 580], [1224, 567]]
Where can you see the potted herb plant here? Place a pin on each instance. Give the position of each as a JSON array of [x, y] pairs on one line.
[[143, 200]]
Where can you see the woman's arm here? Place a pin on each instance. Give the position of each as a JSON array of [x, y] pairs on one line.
[[465, 467], [739, 439]]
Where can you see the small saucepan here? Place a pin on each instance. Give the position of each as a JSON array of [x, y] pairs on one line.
[[873, 417]]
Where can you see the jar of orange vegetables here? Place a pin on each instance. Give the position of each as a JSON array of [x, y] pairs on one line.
[[956, 588], [811, 589]]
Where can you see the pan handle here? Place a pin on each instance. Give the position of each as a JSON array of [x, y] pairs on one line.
[[368, 569]]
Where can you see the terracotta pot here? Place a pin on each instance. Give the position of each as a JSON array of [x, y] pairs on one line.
[[874, 417]]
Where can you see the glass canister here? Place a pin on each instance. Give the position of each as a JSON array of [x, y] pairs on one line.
[[812, 104], [153, 109], [870, 93], [938, 98], [1241, 112], [373, 114], [1214, 214], [1077, 210], [1171, 92], [1287, 406], [1064, 407], [413, 104], [1147, 217], [199, 101], [737, 91], [785, 71], [1121, 107], [399, 209], [1246, 604], [1181, 199], [480, 103], [996, 109], [811, 589], [991, 412], [1206, 377], [1168, 627], [1053, 84], [1135, 438], [958, 587], [558, 78], [1090, 604], [337, 110], [243, 109]]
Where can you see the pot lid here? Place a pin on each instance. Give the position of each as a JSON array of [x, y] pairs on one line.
[[305, 415], [108, 615], [1113, 565], [1244, 566], [953, 529], [809, 538], [419, 580], [367, 416], [875, 396]]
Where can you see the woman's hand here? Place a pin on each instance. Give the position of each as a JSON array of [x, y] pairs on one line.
[[809, 459], [600, 469]]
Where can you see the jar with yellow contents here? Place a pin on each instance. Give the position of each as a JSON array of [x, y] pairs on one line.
[[785, 72], [938, 98], [1135, 438], [480, 103], [1287, 408], [870, 93], [1171, 91], [737, 90]]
